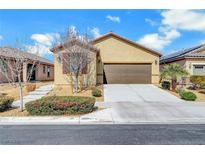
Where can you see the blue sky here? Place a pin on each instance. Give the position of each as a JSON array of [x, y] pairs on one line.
[[162, 30]]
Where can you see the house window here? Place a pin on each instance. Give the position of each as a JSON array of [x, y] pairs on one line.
[[48, 72], [44, 69], [198, 69]]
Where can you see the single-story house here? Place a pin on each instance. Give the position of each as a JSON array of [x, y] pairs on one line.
[[43, 69], [117, 60], [193, 59]]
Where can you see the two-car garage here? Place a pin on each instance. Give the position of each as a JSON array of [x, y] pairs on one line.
[[127, 73], [122, 61]]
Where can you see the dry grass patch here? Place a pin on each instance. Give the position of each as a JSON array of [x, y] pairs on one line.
[[12, 91], [13, 112], [66, 91]]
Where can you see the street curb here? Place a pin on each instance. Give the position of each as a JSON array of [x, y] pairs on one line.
[[54, 120]]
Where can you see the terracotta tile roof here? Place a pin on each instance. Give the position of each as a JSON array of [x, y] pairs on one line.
[[13, 52]]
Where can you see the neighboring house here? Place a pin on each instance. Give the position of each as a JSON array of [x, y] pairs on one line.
[[117, 60], [193, 59], [43, 69]]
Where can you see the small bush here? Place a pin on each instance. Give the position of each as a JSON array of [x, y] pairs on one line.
[[180, 90], [30, 87], [96, 92], [189, 96], [58, 105], [166, 85], [5, 103]]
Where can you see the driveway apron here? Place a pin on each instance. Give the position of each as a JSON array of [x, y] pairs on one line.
[[148, 103]]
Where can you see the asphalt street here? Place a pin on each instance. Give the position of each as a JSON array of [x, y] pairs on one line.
[[141, 134]]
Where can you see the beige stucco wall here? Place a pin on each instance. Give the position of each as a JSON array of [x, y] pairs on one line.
[[41, 76], [114, 50], [180, 62], [187, 63], [64, 79], [190, 62]]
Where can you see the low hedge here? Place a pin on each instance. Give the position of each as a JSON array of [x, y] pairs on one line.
[[58, 105], [5, 103], [96, 92], [189, 96]]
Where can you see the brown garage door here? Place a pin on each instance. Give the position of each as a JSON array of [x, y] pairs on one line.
[[127, 73]]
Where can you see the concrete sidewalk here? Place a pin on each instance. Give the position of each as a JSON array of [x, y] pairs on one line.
[[34, 95], [107, 114]]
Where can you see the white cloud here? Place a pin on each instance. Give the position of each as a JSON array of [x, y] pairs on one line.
[[95, 32], [113, 18], [173, 21], [1, 37], [184, 19], [151, 22], [38, 49], [45, 39], [157, 41], [42, 43]]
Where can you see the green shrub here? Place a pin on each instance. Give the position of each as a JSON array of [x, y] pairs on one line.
[[58, 105], [5, 103], [189, 96], [166, 85], [180, 90], [96, 92]]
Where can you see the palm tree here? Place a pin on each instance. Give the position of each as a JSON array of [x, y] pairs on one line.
[[172, 71]]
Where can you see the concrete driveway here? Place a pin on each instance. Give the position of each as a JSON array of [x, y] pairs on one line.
[[142, 103], [137, 93]]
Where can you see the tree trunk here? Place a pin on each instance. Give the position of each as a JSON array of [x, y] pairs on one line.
[[174, 84], [71, 83], [76, 84], [21, 97], [82, 82], [20, 92]]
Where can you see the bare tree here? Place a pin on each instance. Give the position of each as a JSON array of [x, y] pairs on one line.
[[12, 67], [75, 56]]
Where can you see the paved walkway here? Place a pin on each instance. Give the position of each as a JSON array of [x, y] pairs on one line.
[[34, 95]]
